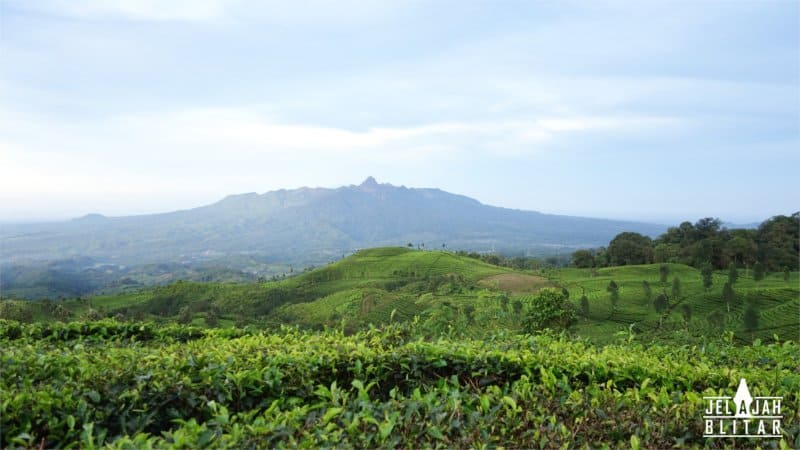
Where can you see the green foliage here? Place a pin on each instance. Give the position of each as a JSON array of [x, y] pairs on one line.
[[676, 289], [630, 248], [647, 291], [776, 244], [613, 291], [716, 319], [584, 306], [583, 259], [663, 273], [758, 271], [728, 295], [16, 310], [504, 303], [686, 312], [377, 388], [707, 273], [751, 318], [733, 274], [661, 302], [550, 309], [378, 286]]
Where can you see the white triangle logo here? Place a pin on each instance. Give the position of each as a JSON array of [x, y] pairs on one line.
[[742, 400]]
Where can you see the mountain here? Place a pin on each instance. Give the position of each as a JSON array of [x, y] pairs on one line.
[[307, 226]]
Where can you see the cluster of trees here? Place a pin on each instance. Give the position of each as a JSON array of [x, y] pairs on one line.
[[773, 246], [518, 262]]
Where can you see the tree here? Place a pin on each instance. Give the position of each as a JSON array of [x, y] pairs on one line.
[[613, 290], [661, 302], [751, 318], [648, 291], [664, 252], [778, 241], [676, 288], [630, 248], [733, 274], [758, 271], [550, 309], [663, 273], [686, 311], [583, 259], [584, 306], [708, 276], [728, 295]]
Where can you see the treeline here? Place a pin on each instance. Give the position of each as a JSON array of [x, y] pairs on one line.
[[773, 246], [518, 262]]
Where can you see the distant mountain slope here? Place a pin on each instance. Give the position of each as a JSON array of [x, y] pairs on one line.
[[307, 226]]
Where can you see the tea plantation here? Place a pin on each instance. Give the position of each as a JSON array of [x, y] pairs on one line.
[[138, 385]]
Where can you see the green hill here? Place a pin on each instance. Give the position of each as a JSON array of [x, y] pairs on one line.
[[457, 295], [776, 299]]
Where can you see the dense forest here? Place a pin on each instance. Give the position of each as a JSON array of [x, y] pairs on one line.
[[772, 247]]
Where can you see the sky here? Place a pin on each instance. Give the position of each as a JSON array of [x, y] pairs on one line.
[[659, 111]]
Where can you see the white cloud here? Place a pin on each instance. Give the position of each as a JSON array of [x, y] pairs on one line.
[[216, 151], [270, 11], [151, 10]]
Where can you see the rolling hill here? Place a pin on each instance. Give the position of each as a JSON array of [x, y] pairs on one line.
[[449, 293]]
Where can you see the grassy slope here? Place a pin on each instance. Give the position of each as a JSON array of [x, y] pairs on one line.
[[777, 300], [355, 289], [372, 285]]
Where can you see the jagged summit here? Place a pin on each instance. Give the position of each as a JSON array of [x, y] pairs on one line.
[[369, 182], [312, 225]]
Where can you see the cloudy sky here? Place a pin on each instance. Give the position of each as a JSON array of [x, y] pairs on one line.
[[658, 110]]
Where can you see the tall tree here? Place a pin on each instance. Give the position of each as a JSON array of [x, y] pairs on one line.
[[728, 295], [751, 318], [663, 273], [778, 241], [613, 290], [733, 274], [708, 276], [661, 302], [686, 312], [676, 289], [583, 259], [648, 291], [630, 248], [758, 271]]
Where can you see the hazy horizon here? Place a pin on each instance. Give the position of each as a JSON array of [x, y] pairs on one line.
[[656, 112], [668, 221]]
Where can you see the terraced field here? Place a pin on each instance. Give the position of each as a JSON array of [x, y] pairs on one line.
[[777, 300], [457, 294]]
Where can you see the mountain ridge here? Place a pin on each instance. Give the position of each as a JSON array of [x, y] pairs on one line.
[[310, 225]]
